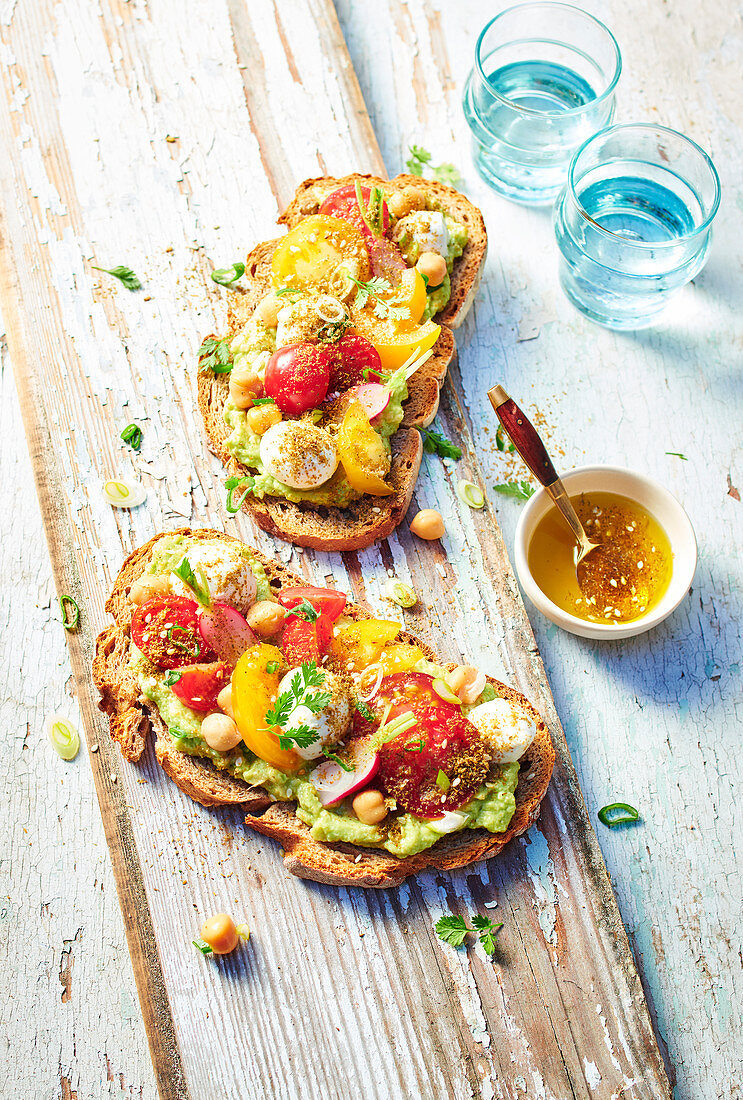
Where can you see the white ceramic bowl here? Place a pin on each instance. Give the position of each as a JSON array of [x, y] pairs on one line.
[[657, 501]]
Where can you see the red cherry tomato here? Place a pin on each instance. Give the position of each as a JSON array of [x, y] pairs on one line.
[[344, 204], [199, 685], [298, 375], [421, 766], [326, 601], [357, 355], [167, 632]]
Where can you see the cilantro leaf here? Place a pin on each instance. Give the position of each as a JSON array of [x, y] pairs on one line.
[[452, 930], [520, 490], [420, 161], [125, 275], [371, 291], [300, 693], [486, 932], [226, 276], [303, 736], [436, 444], [214, 355]]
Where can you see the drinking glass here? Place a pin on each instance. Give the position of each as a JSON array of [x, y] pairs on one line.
[[543, 82], [634, 222]]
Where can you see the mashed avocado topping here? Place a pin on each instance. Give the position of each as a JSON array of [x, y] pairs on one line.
[[403, 835], [169, 551]]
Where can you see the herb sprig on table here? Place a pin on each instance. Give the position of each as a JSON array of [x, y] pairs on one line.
[[125, 275], [419, 162], [520, 490], [436, 444], [453, 930]]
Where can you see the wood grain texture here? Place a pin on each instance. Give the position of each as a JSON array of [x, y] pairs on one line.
[[89, 144]]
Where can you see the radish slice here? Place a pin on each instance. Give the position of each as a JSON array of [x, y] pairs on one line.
[[332, 783], [449, 822], [373, 397], [225, 630]]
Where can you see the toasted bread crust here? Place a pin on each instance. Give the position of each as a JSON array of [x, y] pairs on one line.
[[131, 717], [372, 518]]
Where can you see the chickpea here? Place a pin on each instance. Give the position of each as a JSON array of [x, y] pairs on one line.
[[267, 310], [433, 266], [428, 524], [402, 202], [224, 700], [265, 617], [466, 682], [220, 731], [220, 933], [369, 807], [149, 587], [245, 386], [262, 417]]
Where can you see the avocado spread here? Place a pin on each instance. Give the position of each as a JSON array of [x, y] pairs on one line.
[[403, 835]]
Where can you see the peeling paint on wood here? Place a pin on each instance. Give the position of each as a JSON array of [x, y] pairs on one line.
[[84, 151]]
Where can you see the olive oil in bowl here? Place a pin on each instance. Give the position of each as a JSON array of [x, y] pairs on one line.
[[617, 586]]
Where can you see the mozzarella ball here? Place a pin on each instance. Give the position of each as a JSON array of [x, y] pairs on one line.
[[299, 454], [507, 728], [329, 724], [428, 230], [228, 574]]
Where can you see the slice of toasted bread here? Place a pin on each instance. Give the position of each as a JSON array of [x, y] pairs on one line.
[[131, 717], [372, 518]]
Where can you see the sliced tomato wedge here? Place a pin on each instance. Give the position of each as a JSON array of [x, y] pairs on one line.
[[326, 601], [343, 203], [199, 685], [357, 355], [436, 765], [167, 632]]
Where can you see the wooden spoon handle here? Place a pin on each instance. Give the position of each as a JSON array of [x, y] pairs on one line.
[[523, 435]]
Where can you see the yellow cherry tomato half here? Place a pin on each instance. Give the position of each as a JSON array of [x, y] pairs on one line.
[[399, 657], [395, 340], [254, 690], [363, 455], [320, 253], [410, 294], [360, 644]]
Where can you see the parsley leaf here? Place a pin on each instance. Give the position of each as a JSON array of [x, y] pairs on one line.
[[226, 276], [215, 355], [303, 736], [520, 490], [436, 444], [486, 932], [420, 161], [233, 483], [125, 275], [500, 441], [452, 930], [304, 610]]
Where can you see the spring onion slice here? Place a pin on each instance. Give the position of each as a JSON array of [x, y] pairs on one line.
[[64, 737], [617, 813], [203, 947], [122, 493], [442, 781], [243, 932], [70, 618], [401, 594], [444, 692], [470, 494]]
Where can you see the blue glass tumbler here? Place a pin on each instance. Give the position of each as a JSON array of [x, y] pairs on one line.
[[542, 83], [634, 222]]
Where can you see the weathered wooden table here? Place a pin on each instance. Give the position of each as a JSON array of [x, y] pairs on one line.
[[653, 720]]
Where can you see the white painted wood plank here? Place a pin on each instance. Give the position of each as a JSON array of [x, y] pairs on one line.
[[666, 707]]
